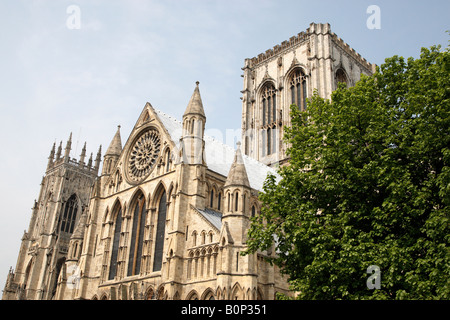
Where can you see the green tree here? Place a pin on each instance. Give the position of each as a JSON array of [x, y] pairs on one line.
[[368, 183]]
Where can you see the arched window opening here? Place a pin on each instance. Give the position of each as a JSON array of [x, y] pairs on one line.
[[236, 202], [203, 237], [269, 119], [253, 211], [297, 86], [211, 202], [167, 160], [192, 126], [137, 236], [115, 244], [269, 104], [219, 201], [341, 77], [160, 231], [194, 238], [68, 219]]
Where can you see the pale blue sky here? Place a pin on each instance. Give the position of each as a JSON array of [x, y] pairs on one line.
[[55, 80]]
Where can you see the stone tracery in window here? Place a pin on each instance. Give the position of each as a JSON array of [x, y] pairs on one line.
[[297, 85], [269, 119], [143, 155]]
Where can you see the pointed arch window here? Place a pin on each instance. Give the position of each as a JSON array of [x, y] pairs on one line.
[[115, 244], [211, 202], [341, 77], [219, 201], [160, 231], [167, 160], [297, 85], [269, 104], [192, 126], [269, 119], [69, 216], [137, 236]]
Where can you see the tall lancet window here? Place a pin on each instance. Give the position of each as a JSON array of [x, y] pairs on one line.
[[269, 117], [137, 237], [297, 87], [269, 105], [116, 241], [69, 216], [160, 230]]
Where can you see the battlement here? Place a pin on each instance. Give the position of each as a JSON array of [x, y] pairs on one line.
[[302, 37], [284, 46], [349, 50]]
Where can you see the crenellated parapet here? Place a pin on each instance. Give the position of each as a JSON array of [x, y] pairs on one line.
[[304, 37]]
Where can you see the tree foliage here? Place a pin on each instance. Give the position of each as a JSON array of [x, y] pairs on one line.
[[368, 183]]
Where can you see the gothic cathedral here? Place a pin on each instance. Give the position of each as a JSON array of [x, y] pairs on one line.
[[167, 216]]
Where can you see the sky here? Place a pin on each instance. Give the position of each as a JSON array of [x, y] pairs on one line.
[[85, 67]]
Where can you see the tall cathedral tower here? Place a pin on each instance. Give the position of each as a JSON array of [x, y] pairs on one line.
[[289, 74], [64, 196]]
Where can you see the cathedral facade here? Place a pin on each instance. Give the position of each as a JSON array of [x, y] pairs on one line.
[[167, 216]]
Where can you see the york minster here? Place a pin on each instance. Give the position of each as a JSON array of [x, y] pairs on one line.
[[164, 213]]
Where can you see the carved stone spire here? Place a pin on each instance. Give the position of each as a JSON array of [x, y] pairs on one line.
[[51, 156], [83, 155], [98, 159], [112, 153], [238, 174], [195, 105], [58, 153], [68, 148], [115, 147]]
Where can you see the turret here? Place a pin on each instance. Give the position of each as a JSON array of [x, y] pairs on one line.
[[194, 120], [237, 196], [76, 240], [112, 153], [235, 224]]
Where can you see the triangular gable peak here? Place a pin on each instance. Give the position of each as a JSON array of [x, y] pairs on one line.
[[147, 120], [148, 117]]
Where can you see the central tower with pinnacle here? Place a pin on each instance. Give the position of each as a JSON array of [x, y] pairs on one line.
[[63, 198]]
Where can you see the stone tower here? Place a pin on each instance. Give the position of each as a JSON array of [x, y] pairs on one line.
[[289, 74], [235, 224], [63, 197]]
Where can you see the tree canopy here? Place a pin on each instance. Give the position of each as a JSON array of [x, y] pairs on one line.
[[368, 183]]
